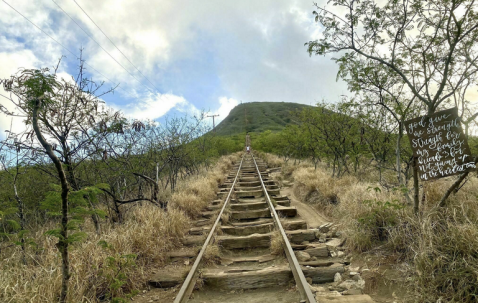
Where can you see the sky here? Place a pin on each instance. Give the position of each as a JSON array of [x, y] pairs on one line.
[[173, 57]]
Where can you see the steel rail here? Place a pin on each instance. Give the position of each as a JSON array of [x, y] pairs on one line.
[[301, 282], [188, 285]]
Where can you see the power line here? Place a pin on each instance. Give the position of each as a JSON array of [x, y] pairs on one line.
[[89, 36], [115, 45], [64, 47]]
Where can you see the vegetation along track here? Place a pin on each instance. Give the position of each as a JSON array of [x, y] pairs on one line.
[[253, 235]]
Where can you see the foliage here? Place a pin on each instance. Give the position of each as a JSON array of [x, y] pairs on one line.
[[258, 117], [115, 271]]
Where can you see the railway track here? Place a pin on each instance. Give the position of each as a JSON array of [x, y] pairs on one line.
[[258, 234]]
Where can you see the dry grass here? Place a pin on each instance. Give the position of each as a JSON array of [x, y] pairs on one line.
[[277, 243], [440, 244], [128, 253], [148, 232], [212, 255], [197, 193], [318, 188]]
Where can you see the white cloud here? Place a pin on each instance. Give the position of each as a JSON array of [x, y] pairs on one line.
[[227, 104], [10, 64], [153, 107], [257, 46]]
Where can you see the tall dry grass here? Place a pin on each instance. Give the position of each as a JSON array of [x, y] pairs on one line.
[[118, 261], [198, 192], [440, 244], [148, 232]]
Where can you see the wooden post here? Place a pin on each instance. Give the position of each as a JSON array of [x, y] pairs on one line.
[[416, 201]]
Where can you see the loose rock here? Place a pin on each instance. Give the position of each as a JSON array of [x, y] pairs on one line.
[[302, 256], [352, 292], [338, 278]]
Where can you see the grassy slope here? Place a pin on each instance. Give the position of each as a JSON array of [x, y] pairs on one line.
[[261, 116]]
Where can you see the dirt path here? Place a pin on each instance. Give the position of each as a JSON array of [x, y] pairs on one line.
[[313, 218]]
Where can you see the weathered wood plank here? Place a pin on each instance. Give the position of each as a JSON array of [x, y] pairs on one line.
[[347, 299], [251, 223], [319, 250], [168, 278], [193, 240], [301, 235], [250, 214], [286, 211], [199, 230], [251, 241], [267, 277], [322, 274], [316, 263], [249, 206], [248, 230], [249, 193], [294, 225], [259, 259], [247, 278]]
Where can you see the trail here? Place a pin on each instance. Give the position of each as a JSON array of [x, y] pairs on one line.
[[247, 261], [313, 218]]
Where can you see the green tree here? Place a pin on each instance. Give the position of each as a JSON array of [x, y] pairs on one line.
[[58, 115], [427, 46]]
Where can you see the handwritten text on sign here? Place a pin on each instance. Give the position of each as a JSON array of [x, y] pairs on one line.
[[439, 144]]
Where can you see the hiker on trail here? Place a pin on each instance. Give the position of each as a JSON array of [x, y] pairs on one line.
[[248, 143]]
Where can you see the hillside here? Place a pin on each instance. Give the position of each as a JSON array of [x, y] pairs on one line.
[[258, 117]]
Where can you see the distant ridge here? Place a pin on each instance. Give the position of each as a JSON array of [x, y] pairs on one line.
[[261, 116]]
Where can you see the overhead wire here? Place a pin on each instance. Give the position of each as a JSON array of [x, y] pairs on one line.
[[93, 39], [115, 45], [64, 47]]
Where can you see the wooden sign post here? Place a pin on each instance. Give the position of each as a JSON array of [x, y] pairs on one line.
[[439, 145]]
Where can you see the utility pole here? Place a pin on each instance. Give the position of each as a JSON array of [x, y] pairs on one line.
[[213, 123]]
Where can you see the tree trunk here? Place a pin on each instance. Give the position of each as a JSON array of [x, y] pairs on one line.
[[62, 244], [399, 141], [21, 215], [94, 217]]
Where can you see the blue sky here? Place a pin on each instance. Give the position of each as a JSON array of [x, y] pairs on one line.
[[200, 55]]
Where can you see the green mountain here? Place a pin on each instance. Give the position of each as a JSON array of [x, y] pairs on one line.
[[258, 117]]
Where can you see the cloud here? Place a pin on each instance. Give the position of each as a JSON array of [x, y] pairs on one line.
[[153, 107], [246, 50], [10, 63], [227, 104]]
